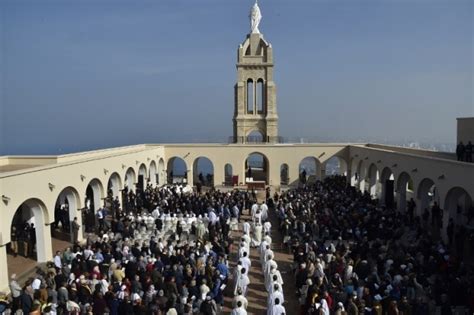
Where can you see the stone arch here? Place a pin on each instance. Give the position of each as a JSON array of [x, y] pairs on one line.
[[228, 175], [373, 179], [404, 192], [130, 179], [427, 194], [284, 175], [142, 177], [67, 207], [177, 170], [34, 211], [387, 183], [309, 169], [255, 136], [153, 172], [203, 171], [93, 202], [257, 167], [458, 202], [114, 186], [336, 165], [161, 172]]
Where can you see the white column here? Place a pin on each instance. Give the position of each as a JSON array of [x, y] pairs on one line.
[[44, 247]]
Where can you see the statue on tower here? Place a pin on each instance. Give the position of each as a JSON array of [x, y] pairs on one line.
[[255, 17]]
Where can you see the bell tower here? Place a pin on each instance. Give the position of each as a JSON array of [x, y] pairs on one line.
[[255, 92]]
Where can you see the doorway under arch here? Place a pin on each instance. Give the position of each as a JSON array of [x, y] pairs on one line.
[[336, 165], [93, 202], [387, 182], [130, 179], [177, 171], [153, 174], [256, 168], [404, 191], [373, 179], [309, 169], [67, 207], [203, 171], [427, 194], [457, 204], [161, 176], [29, 232], [142, 177]]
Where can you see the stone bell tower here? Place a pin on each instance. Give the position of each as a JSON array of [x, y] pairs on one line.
[[255, 92]]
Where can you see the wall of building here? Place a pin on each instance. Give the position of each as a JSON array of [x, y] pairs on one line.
[[40, 186]]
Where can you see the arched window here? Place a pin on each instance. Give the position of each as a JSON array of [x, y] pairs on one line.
[[260, 96], [250, 96]]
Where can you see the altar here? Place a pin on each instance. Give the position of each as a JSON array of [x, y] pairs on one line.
[[255, 184]]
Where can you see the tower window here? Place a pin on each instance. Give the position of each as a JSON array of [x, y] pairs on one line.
[[260, 96], [250, 96]]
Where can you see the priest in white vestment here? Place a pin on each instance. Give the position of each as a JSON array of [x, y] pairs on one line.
[[242, 282], [277, 308]]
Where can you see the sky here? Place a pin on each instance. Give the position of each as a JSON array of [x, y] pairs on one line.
[[79, 75]]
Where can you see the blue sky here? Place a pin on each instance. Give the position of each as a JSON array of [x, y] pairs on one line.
[[78, 75]]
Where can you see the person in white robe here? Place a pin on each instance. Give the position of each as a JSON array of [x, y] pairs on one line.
[[246, 238], [264, 209], [268, 266], [254, 209], [246, 227], [200, 230], [267, 238], [276, 309], [275, 294], [262, 248], [257, 217], [240, 298], [238, 310], [257, 235], [245, 261], [267, 226], [273, 277], [242, 282], [267, 256], [324, 308]]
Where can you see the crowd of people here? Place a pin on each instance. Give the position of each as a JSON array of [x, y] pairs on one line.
[[464, 152], [353, 256], [166, 254]]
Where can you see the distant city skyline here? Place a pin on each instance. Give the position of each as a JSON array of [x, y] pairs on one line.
[[98, 74]]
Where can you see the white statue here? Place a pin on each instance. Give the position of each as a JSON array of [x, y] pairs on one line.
[[255, 17]]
